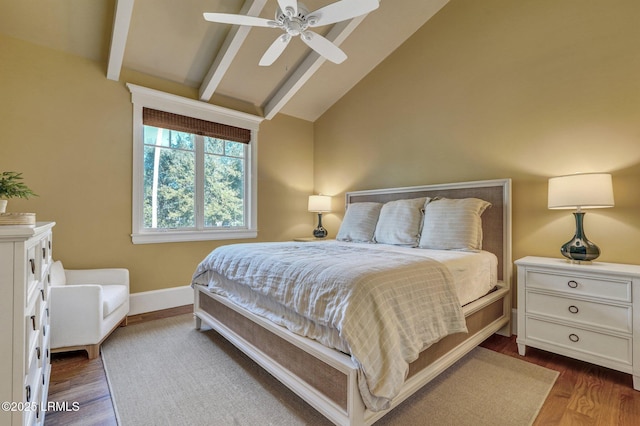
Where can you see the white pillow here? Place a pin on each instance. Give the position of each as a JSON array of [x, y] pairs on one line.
[[453, 224], [359, 222], [400, 221], [56, 274]]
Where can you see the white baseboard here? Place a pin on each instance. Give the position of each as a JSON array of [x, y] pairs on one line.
[[155, 300]]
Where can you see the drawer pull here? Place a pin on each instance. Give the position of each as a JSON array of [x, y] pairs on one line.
[[44, 253], [44, 330], [47, 311], [574, 337], [38, 352], [33, 265], [573, 284], [42, 294], [573, 309], [33, 322], [28, 391]]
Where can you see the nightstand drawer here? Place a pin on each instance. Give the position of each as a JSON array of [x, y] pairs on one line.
[[575, 339], [614, 317], [610, 288]]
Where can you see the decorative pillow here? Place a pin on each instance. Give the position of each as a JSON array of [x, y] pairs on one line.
[[453, 224], [56, 274], [359, 222], [399, 222]]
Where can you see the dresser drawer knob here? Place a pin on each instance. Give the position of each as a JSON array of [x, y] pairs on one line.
[[42, 294], [44, 253], [33, 322], [573, 309], [38, 352], [28, 393], [573, 284], [33, 265], [574, 337]]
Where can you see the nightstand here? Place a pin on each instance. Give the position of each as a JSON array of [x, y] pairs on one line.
[[589, 312]]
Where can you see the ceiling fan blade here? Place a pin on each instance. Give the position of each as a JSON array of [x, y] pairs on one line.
[[341, 11], [228, 18], [292, 4], [324, 47], [275, 50]]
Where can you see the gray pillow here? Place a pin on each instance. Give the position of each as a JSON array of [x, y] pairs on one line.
[[453, 224], [359, 222], [400, 222]]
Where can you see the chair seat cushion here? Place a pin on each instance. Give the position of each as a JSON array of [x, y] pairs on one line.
[[112, 297]]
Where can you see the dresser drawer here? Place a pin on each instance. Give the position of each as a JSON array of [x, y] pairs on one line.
[[32, 327], [602, 287], [575, 339], [32, 267], [614, 317]]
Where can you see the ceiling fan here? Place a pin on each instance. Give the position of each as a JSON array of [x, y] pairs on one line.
[[295, 20]]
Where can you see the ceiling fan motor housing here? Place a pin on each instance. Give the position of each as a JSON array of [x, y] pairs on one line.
[[294, 24]]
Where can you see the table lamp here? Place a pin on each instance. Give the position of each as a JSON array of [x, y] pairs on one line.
[[580, 191], [319, 204]]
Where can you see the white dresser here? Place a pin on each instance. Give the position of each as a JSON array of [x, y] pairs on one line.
[[25, 258], [589, 312]]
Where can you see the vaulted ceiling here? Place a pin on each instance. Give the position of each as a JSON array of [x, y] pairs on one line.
[[170, 39]]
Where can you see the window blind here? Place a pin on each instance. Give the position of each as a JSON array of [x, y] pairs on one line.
[[181, 123]]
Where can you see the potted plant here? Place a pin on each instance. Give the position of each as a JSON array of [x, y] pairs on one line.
[[11, 186]]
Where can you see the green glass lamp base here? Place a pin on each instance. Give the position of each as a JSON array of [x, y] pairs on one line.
[[320, 232], [579, 248]]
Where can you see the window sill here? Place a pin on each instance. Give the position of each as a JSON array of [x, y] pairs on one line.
[[184, 236]]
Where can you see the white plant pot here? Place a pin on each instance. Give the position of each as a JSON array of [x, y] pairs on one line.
[[3, 206]]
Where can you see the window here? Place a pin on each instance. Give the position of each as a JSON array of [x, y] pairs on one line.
[[194, 170]]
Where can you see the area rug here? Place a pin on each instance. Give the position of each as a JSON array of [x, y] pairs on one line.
[[165, 372]]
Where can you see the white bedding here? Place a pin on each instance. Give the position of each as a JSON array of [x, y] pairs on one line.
[[316, 290]]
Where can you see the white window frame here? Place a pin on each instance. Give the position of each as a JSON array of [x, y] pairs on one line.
[[142, 97]]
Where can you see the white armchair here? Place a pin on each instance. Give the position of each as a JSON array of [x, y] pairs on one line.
[[86, 306]]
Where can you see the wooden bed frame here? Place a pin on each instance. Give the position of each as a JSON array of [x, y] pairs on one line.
[[326, 378]]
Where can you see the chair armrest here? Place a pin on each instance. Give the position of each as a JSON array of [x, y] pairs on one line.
[[97, 276], [76, 314], [81, 298]]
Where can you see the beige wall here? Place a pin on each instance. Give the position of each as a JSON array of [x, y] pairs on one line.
[[68, 129], [502, 88], [490, 89]]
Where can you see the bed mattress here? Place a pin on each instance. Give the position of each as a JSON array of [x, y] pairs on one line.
[[237, 272]]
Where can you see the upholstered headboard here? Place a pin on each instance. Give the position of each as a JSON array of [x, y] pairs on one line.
[[496, 220]]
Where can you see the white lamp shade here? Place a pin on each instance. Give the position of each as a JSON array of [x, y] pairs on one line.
[[319, 203], [582, 191]]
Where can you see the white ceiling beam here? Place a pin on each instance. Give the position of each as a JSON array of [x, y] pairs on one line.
[[121, 22], [307, 68], [229, 50]]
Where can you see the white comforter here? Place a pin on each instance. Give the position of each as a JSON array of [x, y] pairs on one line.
[[387, 306]]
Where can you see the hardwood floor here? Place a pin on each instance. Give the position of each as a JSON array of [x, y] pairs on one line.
[[584, 394]]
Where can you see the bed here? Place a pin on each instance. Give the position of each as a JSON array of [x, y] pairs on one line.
[[330, 372]]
